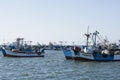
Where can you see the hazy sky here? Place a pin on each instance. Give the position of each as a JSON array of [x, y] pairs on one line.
[[47, 21]]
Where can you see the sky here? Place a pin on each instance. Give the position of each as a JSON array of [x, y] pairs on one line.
[[47, 21]]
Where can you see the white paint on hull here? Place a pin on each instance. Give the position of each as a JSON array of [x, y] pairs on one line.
[[8, 52]]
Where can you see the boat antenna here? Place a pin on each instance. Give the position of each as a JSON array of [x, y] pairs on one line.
[[119, 43], [88, 36]]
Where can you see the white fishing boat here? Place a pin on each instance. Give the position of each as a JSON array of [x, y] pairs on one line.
[[21, 48]]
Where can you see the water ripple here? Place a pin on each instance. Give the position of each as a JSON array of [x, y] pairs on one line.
[[54, 67]]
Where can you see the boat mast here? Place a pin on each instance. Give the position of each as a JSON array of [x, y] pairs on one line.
[[19, 42], [88, 36], [119, 43], [95, 35]]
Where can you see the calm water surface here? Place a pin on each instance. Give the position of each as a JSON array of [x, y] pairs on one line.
[[54, 67]]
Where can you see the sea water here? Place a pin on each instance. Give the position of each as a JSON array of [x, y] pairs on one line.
[[54, 66]]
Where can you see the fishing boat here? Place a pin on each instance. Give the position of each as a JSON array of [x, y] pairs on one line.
[[103, 51], [21, 48]]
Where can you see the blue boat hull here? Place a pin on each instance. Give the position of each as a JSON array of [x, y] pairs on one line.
[[91, 56]]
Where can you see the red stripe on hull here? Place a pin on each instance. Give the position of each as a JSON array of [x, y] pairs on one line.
[[82, 59], [68, 57], [78, 58]]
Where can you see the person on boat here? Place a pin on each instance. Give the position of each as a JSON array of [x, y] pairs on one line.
[[37, 49], [77, 50]]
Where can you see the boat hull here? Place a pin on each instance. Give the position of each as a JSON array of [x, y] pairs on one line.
[[69, 54], [9, 53]]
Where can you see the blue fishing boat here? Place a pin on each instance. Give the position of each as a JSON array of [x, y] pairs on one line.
[[93, 52], [21, 48]]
